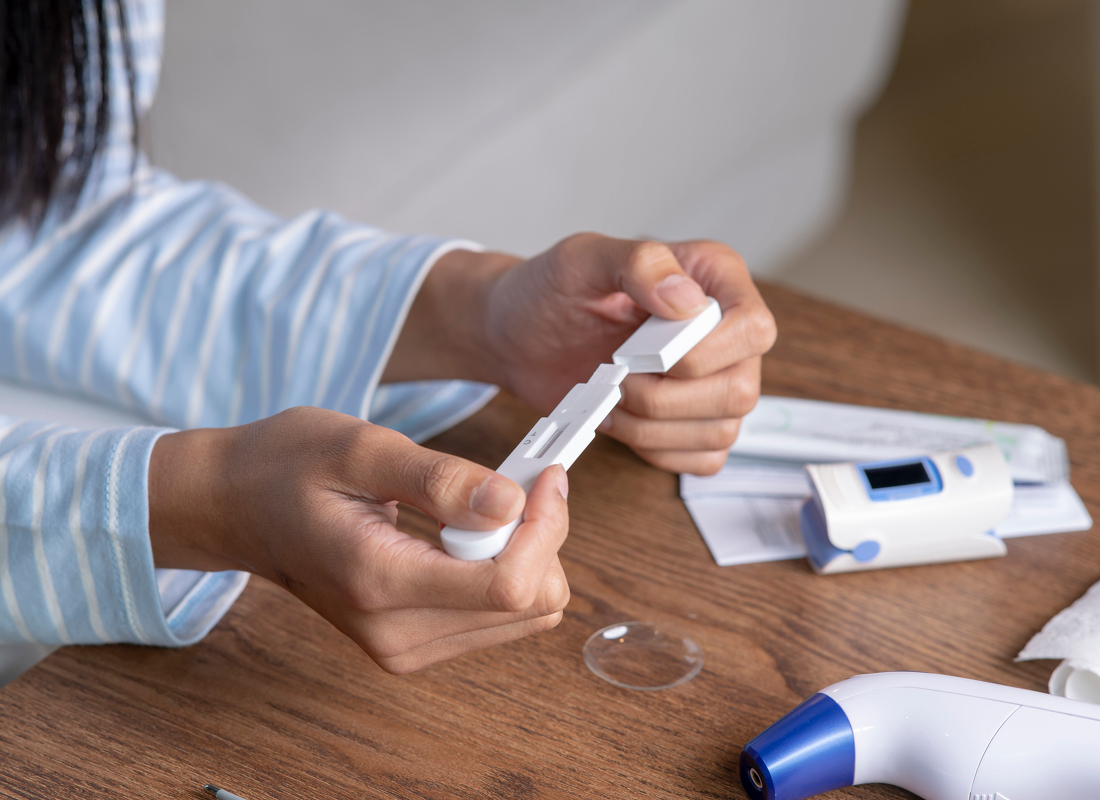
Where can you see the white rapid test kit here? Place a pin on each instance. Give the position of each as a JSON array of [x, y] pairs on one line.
[[559, 438], [925, 510]]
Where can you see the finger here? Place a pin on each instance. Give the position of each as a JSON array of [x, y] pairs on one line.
[[648, 272], [388, 634], [385, 466], [747, 328], [650, 434], [452, 646], [693, 462], [534, 547], [732, 392], [404, 572]]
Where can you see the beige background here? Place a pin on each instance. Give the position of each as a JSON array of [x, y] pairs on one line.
[[971, 211]]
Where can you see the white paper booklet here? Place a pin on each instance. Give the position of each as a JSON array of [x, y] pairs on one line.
[[749, 511], [813, 431]]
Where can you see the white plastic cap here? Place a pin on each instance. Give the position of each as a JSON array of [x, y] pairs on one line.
[[659, 343]]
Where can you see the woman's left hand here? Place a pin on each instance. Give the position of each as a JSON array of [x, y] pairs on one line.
[[539, 327]]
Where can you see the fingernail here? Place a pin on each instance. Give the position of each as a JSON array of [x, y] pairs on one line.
[[562, 481], [605, 426], [494, 498], [681, 292]]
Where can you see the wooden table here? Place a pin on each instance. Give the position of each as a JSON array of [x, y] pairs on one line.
[[276, 705]]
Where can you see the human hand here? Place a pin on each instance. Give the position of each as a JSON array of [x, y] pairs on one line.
[[308, 499], [540, 326]]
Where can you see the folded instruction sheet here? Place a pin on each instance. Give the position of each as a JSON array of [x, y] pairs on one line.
[[749, 511]]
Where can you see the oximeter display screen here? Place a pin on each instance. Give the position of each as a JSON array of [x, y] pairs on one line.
[[897, 475]]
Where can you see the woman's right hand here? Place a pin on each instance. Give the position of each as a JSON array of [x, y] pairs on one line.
[[308, 499]]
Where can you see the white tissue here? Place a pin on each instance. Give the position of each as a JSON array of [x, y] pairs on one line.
[[1073, 635]]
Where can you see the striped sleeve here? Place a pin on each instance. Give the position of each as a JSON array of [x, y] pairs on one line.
[[189, 304], [192, 306], [76, 566]]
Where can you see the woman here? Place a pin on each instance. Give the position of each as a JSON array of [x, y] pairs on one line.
[[264, 343]]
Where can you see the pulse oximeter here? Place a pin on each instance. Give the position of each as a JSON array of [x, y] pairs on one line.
[[906, 511]]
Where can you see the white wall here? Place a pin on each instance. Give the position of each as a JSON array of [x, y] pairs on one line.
[[518, 123]]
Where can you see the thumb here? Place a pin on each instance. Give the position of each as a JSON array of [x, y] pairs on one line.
[[450, 489], [650, 274]]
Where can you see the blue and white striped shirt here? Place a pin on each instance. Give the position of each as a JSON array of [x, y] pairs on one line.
[[190, 305]]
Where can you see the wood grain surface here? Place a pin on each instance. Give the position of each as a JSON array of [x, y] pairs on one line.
[[275, 704]]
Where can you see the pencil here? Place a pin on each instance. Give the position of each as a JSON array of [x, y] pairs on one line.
[[221, 794]]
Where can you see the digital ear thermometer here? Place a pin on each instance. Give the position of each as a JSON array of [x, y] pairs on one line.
[[559, 438], [941, 738], [925, 510]]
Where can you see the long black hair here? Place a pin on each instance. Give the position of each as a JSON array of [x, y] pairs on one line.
[[55, 99]]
